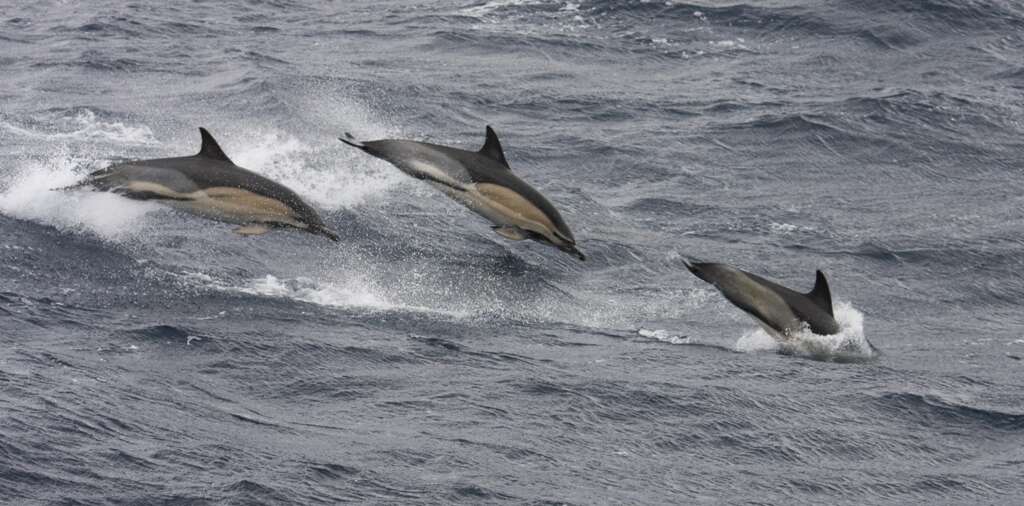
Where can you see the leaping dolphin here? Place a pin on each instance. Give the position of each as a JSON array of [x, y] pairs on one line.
[[210, 185], [483, 182], [781, 311]]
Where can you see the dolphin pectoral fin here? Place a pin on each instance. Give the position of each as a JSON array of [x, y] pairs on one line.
[[254, 229], [511, 233]]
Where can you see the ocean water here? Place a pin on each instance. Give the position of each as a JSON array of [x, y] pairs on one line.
[[151, 357]]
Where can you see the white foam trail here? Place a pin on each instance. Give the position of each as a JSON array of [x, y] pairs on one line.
[[848, 343], [355, 287], [29, 196], [493, 5], [664, 336], [788, 228], [353, 292], [345, 291], [86, 126]]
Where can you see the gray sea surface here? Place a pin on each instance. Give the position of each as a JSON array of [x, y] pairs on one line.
[[152, 357]]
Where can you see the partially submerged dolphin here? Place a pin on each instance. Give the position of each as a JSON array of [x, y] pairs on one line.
[[781, 311], [482, 181], [210, 185]]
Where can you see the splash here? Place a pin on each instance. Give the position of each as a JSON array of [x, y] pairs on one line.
[[27, 192], [332, 182], [848, 345], [30, 196]]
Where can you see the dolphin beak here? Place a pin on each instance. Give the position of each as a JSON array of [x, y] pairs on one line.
[[576, 253], [324, 231], [695, 267]]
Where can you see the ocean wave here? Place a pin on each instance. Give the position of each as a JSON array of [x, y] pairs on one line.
[[422, 358], [931, 410], [949, 16]]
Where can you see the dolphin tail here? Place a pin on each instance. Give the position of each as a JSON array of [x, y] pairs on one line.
[[97, 180], [351, 141]]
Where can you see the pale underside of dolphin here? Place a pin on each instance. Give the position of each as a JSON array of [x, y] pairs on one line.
[[781, 311], [210, 185], [482, 181]]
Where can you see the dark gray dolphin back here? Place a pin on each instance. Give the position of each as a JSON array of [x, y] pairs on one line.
[[482, 181], [210, 168], [488, 165], [813, 308], [491, 167]]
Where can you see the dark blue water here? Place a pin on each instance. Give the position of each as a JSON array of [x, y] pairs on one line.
[[150, 357]]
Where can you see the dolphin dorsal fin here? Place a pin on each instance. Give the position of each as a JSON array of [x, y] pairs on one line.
[[210, 148], [821, 294], [492, 148]]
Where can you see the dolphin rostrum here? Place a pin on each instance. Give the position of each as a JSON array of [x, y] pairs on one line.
[[483, 182], [781, 311], [210, 185]]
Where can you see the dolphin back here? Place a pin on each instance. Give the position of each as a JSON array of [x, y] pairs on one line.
[[813, 308], [482, 175], [457, 168], [486, 172], [781, 308], [180, 178]]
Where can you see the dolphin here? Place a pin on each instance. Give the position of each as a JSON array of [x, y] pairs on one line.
[[210, 185], [781, 311], [482, 181]]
